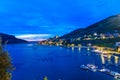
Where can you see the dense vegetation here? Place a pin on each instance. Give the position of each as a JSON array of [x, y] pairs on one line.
[[5, 66]]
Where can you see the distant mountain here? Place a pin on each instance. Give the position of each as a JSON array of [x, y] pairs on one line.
[[10, 39], [108, 25]]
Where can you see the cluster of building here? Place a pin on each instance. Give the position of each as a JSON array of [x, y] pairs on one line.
[[95, 36], [52, 41], [70, 42], [58, 42]]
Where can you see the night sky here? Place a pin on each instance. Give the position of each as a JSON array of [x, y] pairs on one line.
[[40, 19]]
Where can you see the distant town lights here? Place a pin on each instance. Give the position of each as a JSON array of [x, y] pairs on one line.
[[95, 34]]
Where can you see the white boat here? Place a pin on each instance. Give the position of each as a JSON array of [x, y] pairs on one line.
[[84, 67], [97, 51], [92, 67], [116, 75], [107, 71]]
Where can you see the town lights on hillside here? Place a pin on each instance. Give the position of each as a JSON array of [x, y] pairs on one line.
[[95, 34], [68, 45], [72, 45], [78, 39], [89, 44], [103, 37], [79, 45], [56, 37]]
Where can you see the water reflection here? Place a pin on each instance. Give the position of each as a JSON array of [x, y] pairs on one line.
[[88, 48], [57, 63], [68, 50], [109, 59], [102, 59], [79, 49], [116, 59], [60, 48], [73, 49]]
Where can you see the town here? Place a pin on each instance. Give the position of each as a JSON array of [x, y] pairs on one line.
[[110, 42]]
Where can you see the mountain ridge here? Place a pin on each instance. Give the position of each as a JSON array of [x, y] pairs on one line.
[[108, 25], [10, 39]]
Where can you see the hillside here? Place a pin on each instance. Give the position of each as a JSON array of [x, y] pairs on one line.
[[10, 39], [108, 25]]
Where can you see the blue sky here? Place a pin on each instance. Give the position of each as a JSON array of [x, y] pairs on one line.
[[52, 17]]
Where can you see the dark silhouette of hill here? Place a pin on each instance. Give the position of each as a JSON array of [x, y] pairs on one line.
[[11, 39], [108, 25]]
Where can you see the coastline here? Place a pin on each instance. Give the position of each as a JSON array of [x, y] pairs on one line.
[[98, 49]]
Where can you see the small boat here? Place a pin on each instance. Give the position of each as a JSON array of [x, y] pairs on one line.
[[104, 70], [84, 67], [92, 67], [116, 75], [97, 51]]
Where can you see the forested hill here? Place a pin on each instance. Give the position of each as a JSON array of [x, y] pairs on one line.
[[11, 39], [108, 25]]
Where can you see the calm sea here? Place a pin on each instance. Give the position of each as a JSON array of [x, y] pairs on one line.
[[57, 63]]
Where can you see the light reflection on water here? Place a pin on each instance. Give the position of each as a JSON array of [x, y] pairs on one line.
[[58, 63], [116, 59], [73, 49], [102, 59], [79, 49], [108, 59]]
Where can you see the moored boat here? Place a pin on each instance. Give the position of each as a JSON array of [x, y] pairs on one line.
[[84, 67], [112, 73], [92, 67]]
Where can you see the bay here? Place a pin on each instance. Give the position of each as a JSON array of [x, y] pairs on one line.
[[57, 63]]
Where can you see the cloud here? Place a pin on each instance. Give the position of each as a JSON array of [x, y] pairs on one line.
[[56, 17], [33, 37]]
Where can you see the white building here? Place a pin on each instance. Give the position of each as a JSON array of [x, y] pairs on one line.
[[117, 44]]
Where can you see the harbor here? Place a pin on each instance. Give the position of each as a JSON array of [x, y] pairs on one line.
[[94, 68], [54, 63]]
